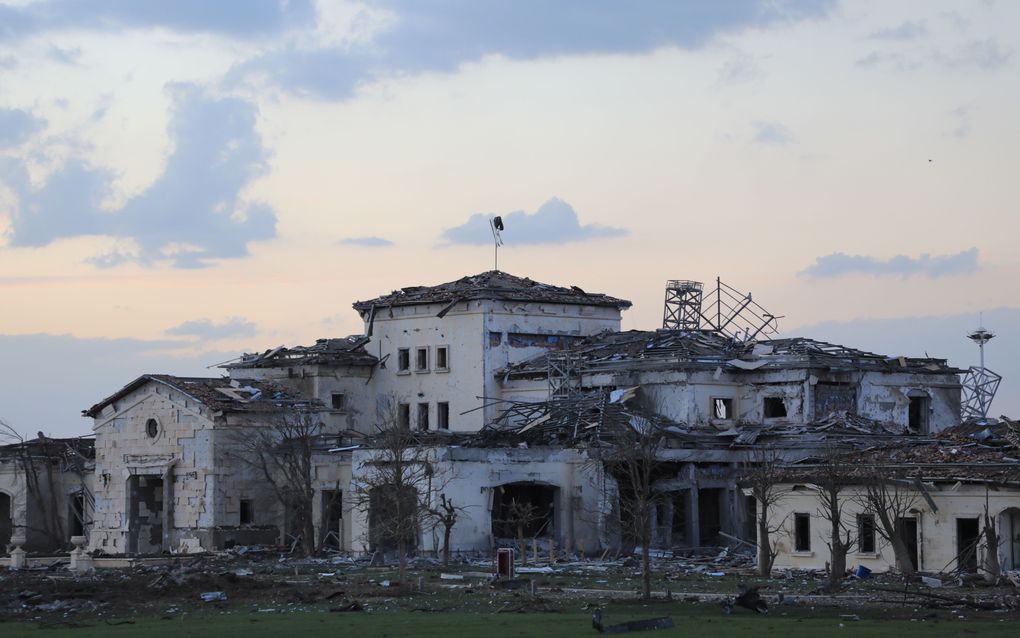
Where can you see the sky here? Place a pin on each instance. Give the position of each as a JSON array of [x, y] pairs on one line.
[[182, 182]]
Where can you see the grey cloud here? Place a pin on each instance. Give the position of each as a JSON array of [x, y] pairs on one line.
[[983, 54], [234, 18], [368, 242], [210, 331], [554, 222], [934, 266], [64, 56], [771, 133], [89, 370], [193, 212], [436, 35], [16, 126], [904, 32]]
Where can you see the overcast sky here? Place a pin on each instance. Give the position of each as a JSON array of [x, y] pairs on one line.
[[183, 181]]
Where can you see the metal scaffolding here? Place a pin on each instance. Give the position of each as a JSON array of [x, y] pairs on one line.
[[724, 310]]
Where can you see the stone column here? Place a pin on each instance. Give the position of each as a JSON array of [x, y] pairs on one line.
[[18, 557]]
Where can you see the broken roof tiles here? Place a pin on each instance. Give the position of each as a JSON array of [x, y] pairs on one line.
[[667, 349], [349, 351], [491, 285], [219, 394]]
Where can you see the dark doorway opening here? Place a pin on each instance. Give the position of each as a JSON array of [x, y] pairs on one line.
[[908, 532], [145, 514], [332, 519], [527, 507], [6, 523], [967, 536], [393, 516], [917, 418], [710, 515]]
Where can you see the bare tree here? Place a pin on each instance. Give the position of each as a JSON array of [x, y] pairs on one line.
[[394, 487], [445, 514], [831, 480], [37, 461], [891, 499], [632, 458], [280, 452], [763, 474]]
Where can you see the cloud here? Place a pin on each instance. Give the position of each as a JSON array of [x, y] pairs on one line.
[[16, 126], [207, 330], [942, 336], [982, 54], [554, 222], [194, 211], [234, 18], [368, 242], [64, 56], [904, 32], [438, 36], [934, 266], [771, 134], [89, 370]]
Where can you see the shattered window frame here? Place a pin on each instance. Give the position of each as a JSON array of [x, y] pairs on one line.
[[404, 416], [403, 361], [726, 403], [866, 534], [770, 408], [338, 401]]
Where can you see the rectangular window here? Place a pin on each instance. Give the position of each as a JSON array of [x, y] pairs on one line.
[[404, 360], [866, 533], [917, 414], [802, 532], [247, 511], [443, 415], [495, 338], [423, 417], [442, 357], [338, 400], [404, 416], [421, 359], [774, 408], [722, 408]]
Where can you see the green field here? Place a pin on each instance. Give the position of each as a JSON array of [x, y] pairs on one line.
[[689, 621]]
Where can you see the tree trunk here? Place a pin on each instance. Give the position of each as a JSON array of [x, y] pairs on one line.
[[446, 545], [308, 534], [401, 557], [524, 548], [902, 555], [837, 564], [765, 556], [646, 567], [992, 567]]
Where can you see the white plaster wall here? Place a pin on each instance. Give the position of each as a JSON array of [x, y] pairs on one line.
[[937, 546]]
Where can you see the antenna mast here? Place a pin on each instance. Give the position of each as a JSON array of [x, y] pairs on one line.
[[979, 384]]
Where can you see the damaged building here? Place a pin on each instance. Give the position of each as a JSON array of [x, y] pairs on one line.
[[512, 389]]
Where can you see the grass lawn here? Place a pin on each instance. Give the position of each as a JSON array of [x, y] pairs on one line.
[[689, 621]]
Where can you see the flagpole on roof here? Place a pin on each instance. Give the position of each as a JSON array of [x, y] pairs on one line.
[[496, 224]]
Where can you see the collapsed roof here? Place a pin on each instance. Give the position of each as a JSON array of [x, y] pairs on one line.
[[668, 349], [491, 285], [348, 351], [219, 394]]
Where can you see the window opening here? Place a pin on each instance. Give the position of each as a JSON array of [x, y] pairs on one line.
[[421, 360], [866, 533], [443, 415], [802, 532], [722, 408], [423, 417], [775, 408]]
